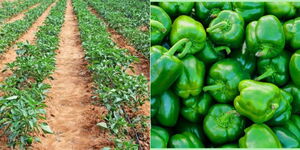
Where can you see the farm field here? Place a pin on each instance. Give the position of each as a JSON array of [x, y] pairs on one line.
[[74, 76]]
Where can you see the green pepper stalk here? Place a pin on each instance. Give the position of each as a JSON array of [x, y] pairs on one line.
[[223, 79], [223, 124], [295, 92], [294, 67], [165, 67], [274, 70], [185, 140], [227, 29], [259, 136], [291, 30], [160, 24], [177, 8], [265, 37], [282, 10], [250, 11], [159, 137], [186, 27]]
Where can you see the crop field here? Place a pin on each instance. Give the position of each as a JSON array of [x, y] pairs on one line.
[[75, 74]]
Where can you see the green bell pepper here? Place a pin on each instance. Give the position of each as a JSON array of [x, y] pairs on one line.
[[177, 8], [155, 103], [168, 109], [259, 136], [223, 79], [265, 37], [282, 10], [223, 124], [232, 145], [284, 111], [295, 92], [291, 30], [227, 29], [195, 128], [206, 11], [185, 140], [211, 54], [191, 79], [294, 67], [289, 133], [187, 27], [250, 11], [165, 67], [159, 137], [195, 107], [274, 70], [160, 24], [248, 61], [260, 102]]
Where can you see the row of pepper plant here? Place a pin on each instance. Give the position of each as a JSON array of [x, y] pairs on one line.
[[10, 32], [22, 104], [128, 22], [10, 9], [115, 89]]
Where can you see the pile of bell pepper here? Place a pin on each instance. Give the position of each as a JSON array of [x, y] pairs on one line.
[[225, 74]]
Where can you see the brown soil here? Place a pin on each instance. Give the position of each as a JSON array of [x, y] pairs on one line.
[[20, 15], [70, 113]]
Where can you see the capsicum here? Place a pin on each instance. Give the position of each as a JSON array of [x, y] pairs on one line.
[[195, 107], [186, 27], [291, 30], [227, 29], [195, 128], [223, 79], [265, 37], [223, 124], [259, 136], [250, 11], [281, 10], [191, 80], [295, 92], [185, 140], [165, 67], [206, 11], [177, 8], [168, 109], [160, 24], [294, 67], [159, 137], [231, 145], [274, 70]]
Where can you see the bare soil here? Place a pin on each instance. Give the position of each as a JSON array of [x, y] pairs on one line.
[[70, 112], [20, 15]]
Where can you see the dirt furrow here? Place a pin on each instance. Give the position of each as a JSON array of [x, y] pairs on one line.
[[29, 36], [19, 15], [70, 112]]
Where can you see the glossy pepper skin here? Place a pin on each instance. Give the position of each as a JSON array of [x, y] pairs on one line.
[[223, 79], [185, 140], [291, 30], [211, 53], [248, 61], [227, 29], [289, 134], [233, 145], [295, 92], [187, 27], [258, 101], [190, 82], [160, 24], [281, 10], [274, 70], [284, 111], [223, 124], [259, 136], [206, 11], [250, 11], [294, 67], [265, 37], [155, 103], [177, 8], [168, 109], [159, 137], [195, 107], [195, 128], [165, 67]]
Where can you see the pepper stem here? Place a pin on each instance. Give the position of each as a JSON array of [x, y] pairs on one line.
[[216, 26], [220, 48], [263, 52], [225, 118], [185, 50], [266, 74], [213, 87], [176, 46], [158, 25]]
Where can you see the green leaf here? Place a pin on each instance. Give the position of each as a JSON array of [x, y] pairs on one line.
[[102, 124], [45, 127]]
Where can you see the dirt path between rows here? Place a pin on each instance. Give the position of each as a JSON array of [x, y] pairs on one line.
[[70, 112], [20, 15], [29, 36]]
